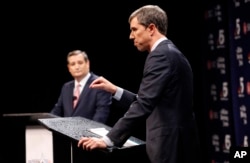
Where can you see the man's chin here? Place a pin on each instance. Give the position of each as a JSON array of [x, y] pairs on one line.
[[78, 76], [141, 49]]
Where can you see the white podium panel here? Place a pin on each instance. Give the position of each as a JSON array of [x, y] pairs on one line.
[[39, 144]]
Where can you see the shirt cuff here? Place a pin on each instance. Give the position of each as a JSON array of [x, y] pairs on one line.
[[107, 141], [118, 93]]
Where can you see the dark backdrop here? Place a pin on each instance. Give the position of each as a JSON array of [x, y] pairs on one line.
[[37, 38]]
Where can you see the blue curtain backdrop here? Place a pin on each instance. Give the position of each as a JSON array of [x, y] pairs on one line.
[[227, 69]]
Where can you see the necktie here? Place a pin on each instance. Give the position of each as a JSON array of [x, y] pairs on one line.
[[76, 95]]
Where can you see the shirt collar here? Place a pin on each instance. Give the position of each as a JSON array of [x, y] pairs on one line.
[[157, 43], [83, 81]]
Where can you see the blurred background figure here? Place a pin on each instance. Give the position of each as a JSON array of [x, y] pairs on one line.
[[76, 98]]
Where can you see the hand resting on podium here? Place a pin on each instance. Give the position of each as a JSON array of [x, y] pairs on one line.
[[101, 132], [90, 143]]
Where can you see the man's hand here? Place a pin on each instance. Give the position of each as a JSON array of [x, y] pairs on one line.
[[104, 84], [90, 143]]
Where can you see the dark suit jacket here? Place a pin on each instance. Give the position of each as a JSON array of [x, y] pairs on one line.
[[93, 104], [164, 101]]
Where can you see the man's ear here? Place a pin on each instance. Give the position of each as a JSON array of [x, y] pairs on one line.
[[89, 64], [68, 67], [151, 28]]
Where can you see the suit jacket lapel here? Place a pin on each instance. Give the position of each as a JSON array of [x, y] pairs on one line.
[[85, 90], [71, 95]]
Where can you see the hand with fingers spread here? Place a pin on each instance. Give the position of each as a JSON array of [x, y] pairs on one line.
[[104, 84], [90, 143]]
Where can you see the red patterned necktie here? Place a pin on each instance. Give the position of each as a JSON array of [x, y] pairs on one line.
[[76, 95]]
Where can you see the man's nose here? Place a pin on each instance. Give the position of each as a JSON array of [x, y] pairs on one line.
[[131, 36]]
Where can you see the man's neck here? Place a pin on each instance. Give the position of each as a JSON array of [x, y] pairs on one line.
[[156, 41]]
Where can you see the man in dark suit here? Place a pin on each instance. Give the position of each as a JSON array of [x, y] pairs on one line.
[[164, 99], [90, 103]]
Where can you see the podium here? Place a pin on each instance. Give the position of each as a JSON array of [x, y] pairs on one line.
[[70, 129], [25, 140]]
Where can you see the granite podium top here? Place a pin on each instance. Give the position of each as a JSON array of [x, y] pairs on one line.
[[75, 127]]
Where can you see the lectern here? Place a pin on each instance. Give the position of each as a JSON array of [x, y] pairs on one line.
[[72, 128], [25, 140]]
